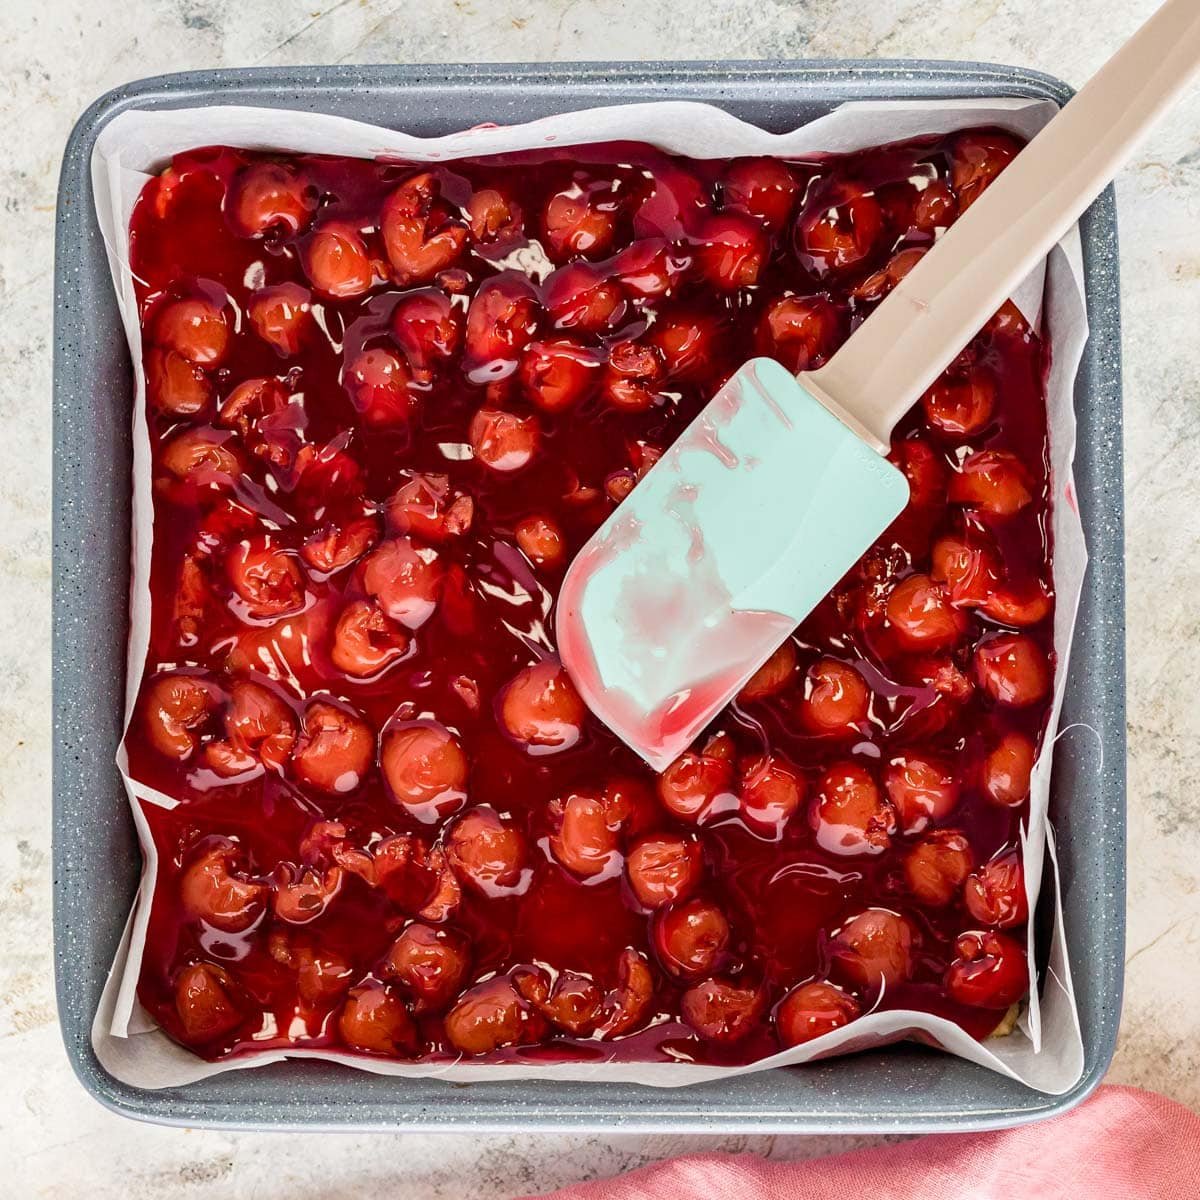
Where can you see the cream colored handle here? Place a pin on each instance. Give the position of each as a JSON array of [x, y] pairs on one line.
[[947, 297]]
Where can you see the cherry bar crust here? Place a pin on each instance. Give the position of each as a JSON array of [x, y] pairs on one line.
[[387, 405]]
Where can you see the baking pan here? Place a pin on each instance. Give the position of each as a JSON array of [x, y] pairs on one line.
[[96, 858]]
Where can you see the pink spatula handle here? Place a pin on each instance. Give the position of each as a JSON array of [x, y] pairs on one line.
[[944, 300]]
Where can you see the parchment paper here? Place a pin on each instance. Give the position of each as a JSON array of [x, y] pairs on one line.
[[1045, 1051]]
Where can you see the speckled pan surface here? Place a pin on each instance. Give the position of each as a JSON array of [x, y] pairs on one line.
[[96, 858]]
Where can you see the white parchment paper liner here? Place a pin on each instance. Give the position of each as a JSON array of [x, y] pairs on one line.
[[1045, 1051]]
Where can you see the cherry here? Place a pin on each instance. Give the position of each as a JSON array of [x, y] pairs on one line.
[[772, 677], [762, 187], [799, 331], [375, 1020], [266, 577], [629, 1003], [874, 949], [689, 937], [337, 263], [995, 893], [922, 615], [541, 540], [430, 963], [418, 236], [556, 375], [486, 853], [771, 790], [326, 475], [213, 889], [969, 569], [447, 891], [175, 710], [814, 1009], [921, 789], [975, 161], [205, 1003], [663, 868], [936, 208], [1013, 669], [425, 768], [578, 297], [322, 975], [694, 784], [503, 440], [836, 698], [633, 370], [937, 865], [494, 218], [175, 385], [259, 729], [570, 1002], [723, 1010], [732, 251], [491, 1015], [270, 196], [989, 970], [994, 481], [688, 345], [365, 641], [838, 229], [377, 382], [405, 580], [585, 838], [303, 894], [427, 506], [878, 285], [925, 471], [428, 328], [249, 402], [334, 750], [282, 316], [196, 329], [1018, 605], [541, 709], [646, 269], [202, 457], [580, 220], [961, 404], [1006, 769], [337, 546], [848, 814], [501, 321]]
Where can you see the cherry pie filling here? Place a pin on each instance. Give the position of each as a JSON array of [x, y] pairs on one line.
[[387, 404]]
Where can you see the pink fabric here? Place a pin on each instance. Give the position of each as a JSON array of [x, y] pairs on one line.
[[1122, 1144]]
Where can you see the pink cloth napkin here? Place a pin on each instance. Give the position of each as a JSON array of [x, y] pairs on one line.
[[1122, 1144]]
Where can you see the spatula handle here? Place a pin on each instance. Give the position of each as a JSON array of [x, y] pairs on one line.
[[954, 289]]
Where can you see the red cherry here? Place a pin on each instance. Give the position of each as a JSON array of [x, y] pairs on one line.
[[732, 251], [302, 894], [1013, 669], [425, 768], [646, 269], [337, 263], [968, 569], [337, 546], [202, 457], [491, 1015], [994, 481], [874, 949], [762, 187], [282, 316], [585, 836], [694, 784], [259, 729], [503, 440], [485, 852], [556, 375], [849, 815], [428, 328], [771, 790], [541, 709], [813, 1009], [335, 748], [501, 321], [664, 868], [580, 298], [418, 236], [322, 975], [629, 1003], [1019, 605], [961, 404], [1009, 322], [838, 229], [196, 329], [989, 970], [266, 577], [723, 1010], [426, 506], [378, 384], [175, 710], [541, 541], [688, 344], [878, 285], [922, 789], [365, 641], [975, 161], [633, 370], [205, 1003], [214, 889], [174, 385], [268, 196], [326, 476], [570, 1002], [430, 963], [800, 331], [1007, 768], [936, 208], [922, 615], [836, 698], [494, 218], [689, 938], [925, 471], [580, 220], [375, 1020], [772, 677], [405, 579], [937, 865], [995, 893], [249, 402]]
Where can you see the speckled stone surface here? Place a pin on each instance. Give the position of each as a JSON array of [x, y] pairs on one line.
[[58, 55]]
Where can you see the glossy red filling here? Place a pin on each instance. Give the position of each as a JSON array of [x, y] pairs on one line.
[[387, 405]]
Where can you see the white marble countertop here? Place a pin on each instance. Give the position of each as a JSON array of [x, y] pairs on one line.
[[58, 55]]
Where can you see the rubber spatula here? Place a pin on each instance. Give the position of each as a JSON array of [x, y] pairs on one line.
[[765, 501]]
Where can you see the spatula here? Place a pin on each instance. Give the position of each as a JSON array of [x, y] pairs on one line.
[[778, 487]]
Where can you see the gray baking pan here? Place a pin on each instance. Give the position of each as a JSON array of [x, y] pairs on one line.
[[96, 860]]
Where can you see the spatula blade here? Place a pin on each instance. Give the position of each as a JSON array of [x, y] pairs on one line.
[[731, 539]]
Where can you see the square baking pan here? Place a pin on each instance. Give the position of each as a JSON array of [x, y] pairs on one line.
[[96, 859]]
